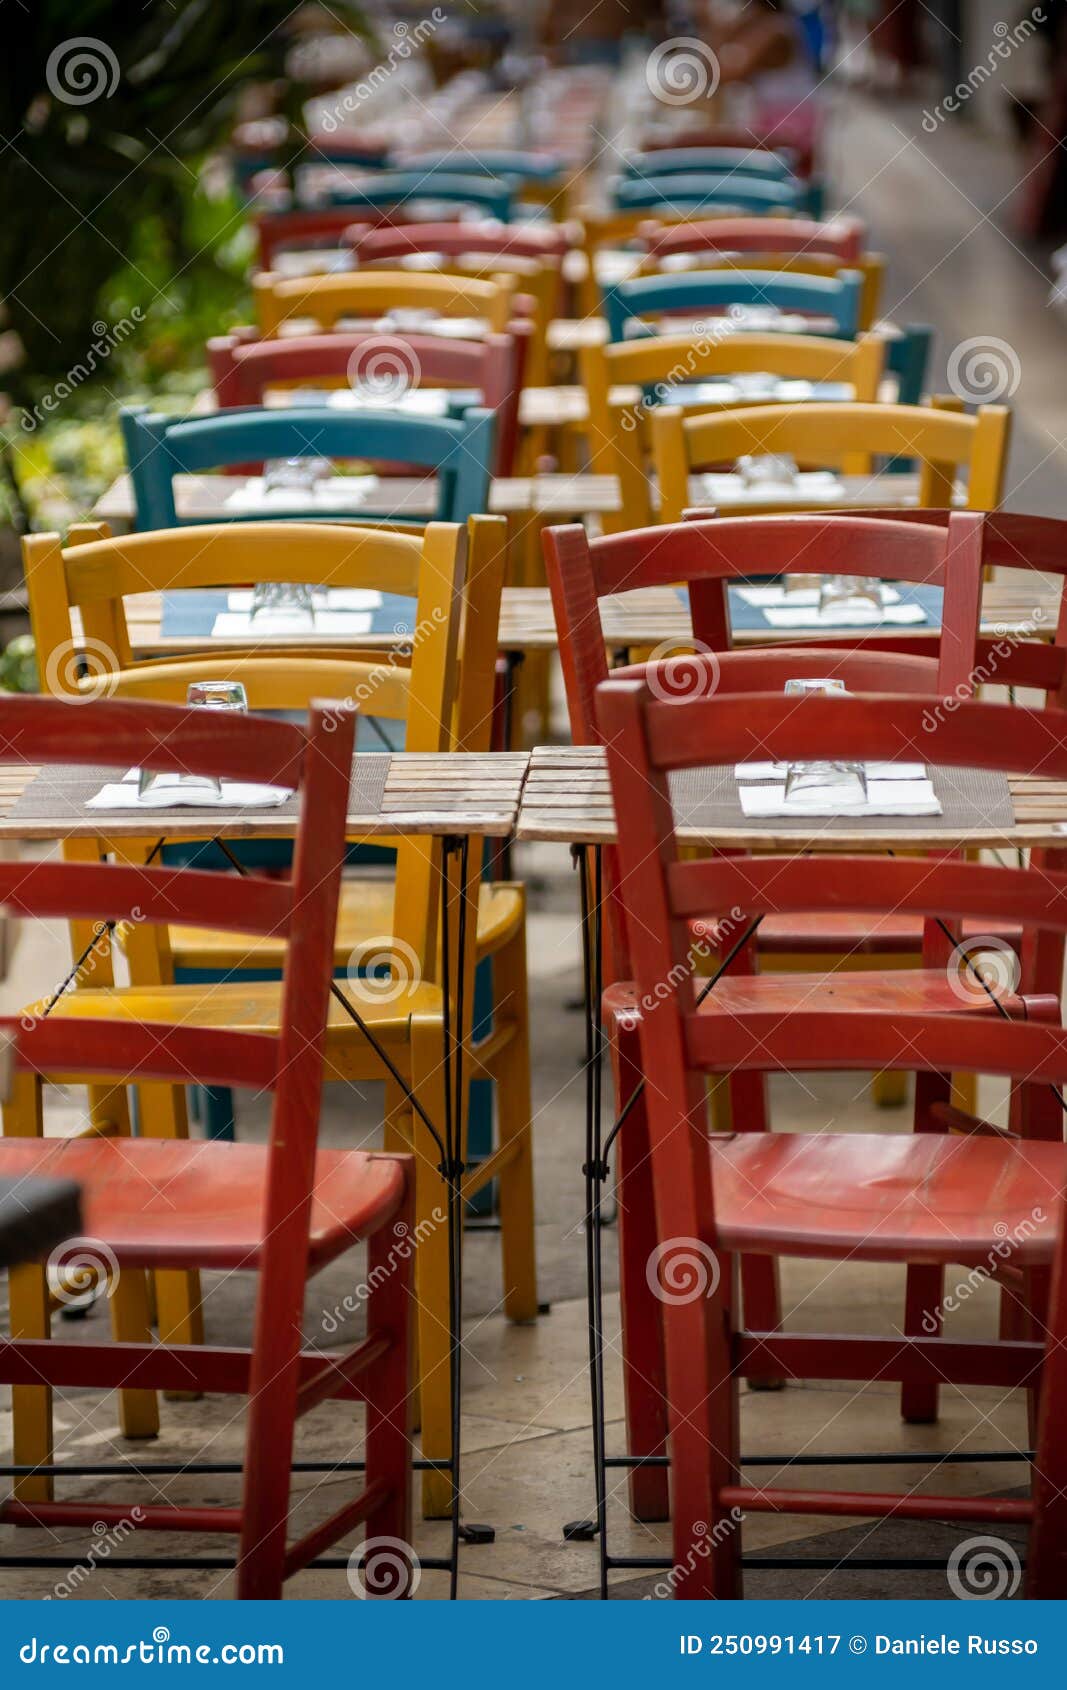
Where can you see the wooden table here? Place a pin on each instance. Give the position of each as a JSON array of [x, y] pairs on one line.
[[567, 800], [437, 795], [35, 1216], [1020, 606]]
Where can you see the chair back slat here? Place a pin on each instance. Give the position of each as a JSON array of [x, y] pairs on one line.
[[328, 299], [842, 239], [835, 297]]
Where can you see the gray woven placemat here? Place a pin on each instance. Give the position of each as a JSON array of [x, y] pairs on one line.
[[61, 793], [970, 799]]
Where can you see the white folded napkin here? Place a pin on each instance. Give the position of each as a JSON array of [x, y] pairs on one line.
[[169, 793], [808, 597], [418, 402], [330, 598], [808, 487], [875, 771], [884, 798], [336, 493], [844, 616], [229, 623]]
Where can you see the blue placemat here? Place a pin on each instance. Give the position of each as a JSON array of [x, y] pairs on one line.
[[190, 614], [749, 618]]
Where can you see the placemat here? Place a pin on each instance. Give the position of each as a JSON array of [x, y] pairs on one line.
[[60, 793], [749, 618], [970, 799]]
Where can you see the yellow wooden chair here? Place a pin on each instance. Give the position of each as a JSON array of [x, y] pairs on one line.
[[619, 434], [843, 437], [282, 301], [444, 697]]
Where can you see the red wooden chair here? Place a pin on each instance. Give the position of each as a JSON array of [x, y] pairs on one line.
[[304, 228], [707, 556], [842, 239], [242, 370], [522, 240], [833, 1196], [283, 1211]]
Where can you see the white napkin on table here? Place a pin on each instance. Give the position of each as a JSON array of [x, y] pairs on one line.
[[809, 486], [230, 622], [336, 598], [168, 793], [777, 594], [844, 616], [335, 493]]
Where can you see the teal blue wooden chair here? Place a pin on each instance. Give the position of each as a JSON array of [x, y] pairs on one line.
[[693, 192], [393, 190], [524, 167], [458, 449], [836, 298], [719, 161]]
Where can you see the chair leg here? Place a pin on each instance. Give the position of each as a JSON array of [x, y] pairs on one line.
[[431, 1268], [179, 1311], [29, 1317], [703, 1393], [516, 1189], [391, 1389], [761, 1296], [643, 1364], [128, 1297], [924, 1284]]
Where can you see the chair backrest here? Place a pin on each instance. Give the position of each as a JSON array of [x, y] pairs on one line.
[[400, 189], [1012, 540], [302, 227], [244, 371], [837, 297], [648, 741], [519, 240], [326, 300], [843, 437], [704, 189], [719, 161], [442, 692], [842, 239], [773, 243], [300, 906], [707, 556], [527, 167], [459, 450], [660, 365]]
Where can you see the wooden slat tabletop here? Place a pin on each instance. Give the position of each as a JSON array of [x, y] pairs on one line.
[[422, 794], [567, 800], [1020, 606]]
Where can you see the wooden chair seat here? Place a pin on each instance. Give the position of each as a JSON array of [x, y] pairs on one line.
[[917, 1197], [254, 1006], [901, 991], [366, 912], [169, 1203]]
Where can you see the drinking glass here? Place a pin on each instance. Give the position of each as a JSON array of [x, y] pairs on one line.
[[204, 695], [845, 782], [300, 474], [851, 594], [285, 599], [767, 469]]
